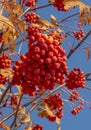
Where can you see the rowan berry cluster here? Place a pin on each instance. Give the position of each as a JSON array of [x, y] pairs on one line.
[[79, 34], [75, 79], [77, 110], [5, 62], [55, 104], [56, 36], [14, 100], [74, 96], [43, 66], [29, 3], [34, 33], [37, 127], [59, 5], [31, 17]]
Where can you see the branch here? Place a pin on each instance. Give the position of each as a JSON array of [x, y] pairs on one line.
[[4, 94], [79, 44], [14, 121], [68, 17], [36, 8]]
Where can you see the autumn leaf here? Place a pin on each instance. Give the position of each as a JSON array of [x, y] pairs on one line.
[[21, 25], [26, 119], [70, 4], [89, 20], [30, 126], [88, 53], [43, 22], [2, 86], [19, 89], [6, 127], [53, 20], [6, 72], [44, 111], [58, 120]]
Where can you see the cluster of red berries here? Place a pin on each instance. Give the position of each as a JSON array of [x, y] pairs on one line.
[[59, 5], [75, 79], [5, 62], [30, 3], [31, 17], [74, 96], [34, 33], [14, 100], [79, 34], [55, 104], [77, 110], [37, 127], [43, 66], [56, 36]]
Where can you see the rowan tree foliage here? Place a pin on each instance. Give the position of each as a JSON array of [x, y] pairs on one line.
[[34, 55]]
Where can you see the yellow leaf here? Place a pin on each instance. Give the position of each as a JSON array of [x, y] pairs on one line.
[[30, 126], [44, 22], [53, 20], [2, 86], [21, 25], [11, 47], [26, 119], [89, 20], [59, 128], [43, 114], [19, 89], [70, 4], [49, 112], [6, 72], [58, 120], [52, 1], [88, 53], [6, 127]]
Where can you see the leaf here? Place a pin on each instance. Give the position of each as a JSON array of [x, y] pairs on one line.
[[21, 25], [2, 86], [59, 128], [22, 110], [58, 120], [89, 20], [49, 112], [6, 127], [52, 1], [44, 22], [26, 119], [53, 20], [6, 72], [11, 47], [43, 114], [70, 4], [30, 126], [45, 111], [39, 109], [88, 53], [19, 89]]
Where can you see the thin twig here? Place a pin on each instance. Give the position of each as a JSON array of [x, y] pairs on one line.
[[79, 44], [14, 121], [68, 17], [28, 9], [4, 94]]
